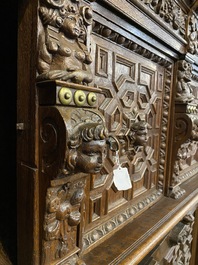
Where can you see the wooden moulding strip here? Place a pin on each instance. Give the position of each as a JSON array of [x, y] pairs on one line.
[[131, 244], [146, 246]]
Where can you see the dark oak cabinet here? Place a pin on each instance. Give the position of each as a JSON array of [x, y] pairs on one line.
[[107, 132]]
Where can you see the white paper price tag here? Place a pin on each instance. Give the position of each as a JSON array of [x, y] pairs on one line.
[[121, 178]]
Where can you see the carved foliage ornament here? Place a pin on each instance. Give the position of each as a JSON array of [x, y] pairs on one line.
[[63, 53], [61, 219], [176, 248], [170, 12], [181, 239]]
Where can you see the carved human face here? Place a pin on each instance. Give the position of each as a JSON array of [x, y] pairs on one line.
[[72, 26], [141, 137], [90, 156]]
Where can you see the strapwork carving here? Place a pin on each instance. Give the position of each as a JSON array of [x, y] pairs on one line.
[[62, 47]]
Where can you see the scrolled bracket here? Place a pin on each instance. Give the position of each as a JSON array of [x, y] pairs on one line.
[[182, 133], [183, 128], [72, 145]]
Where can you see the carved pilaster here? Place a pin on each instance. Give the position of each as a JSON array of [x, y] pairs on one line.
[[72, 131], [185, 124], [72, 145]]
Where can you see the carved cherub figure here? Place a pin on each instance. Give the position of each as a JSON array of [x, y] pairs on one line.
[[139, 133], [184, 90], [87, 149], [87, 145], [63, 54]]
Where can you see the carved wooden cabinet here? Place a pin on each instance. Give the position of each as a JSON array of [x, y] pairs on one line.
[[107, 139]]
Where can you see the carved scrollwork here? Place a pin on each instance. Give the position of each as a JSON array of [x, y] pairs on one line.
[[49, 138], [71, 141], [82, 147], [186, 153], [63, 54], [182, 128]]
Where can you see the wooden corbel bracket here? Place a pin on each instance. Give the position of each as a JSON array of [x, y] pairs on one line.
[[182, 132]]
